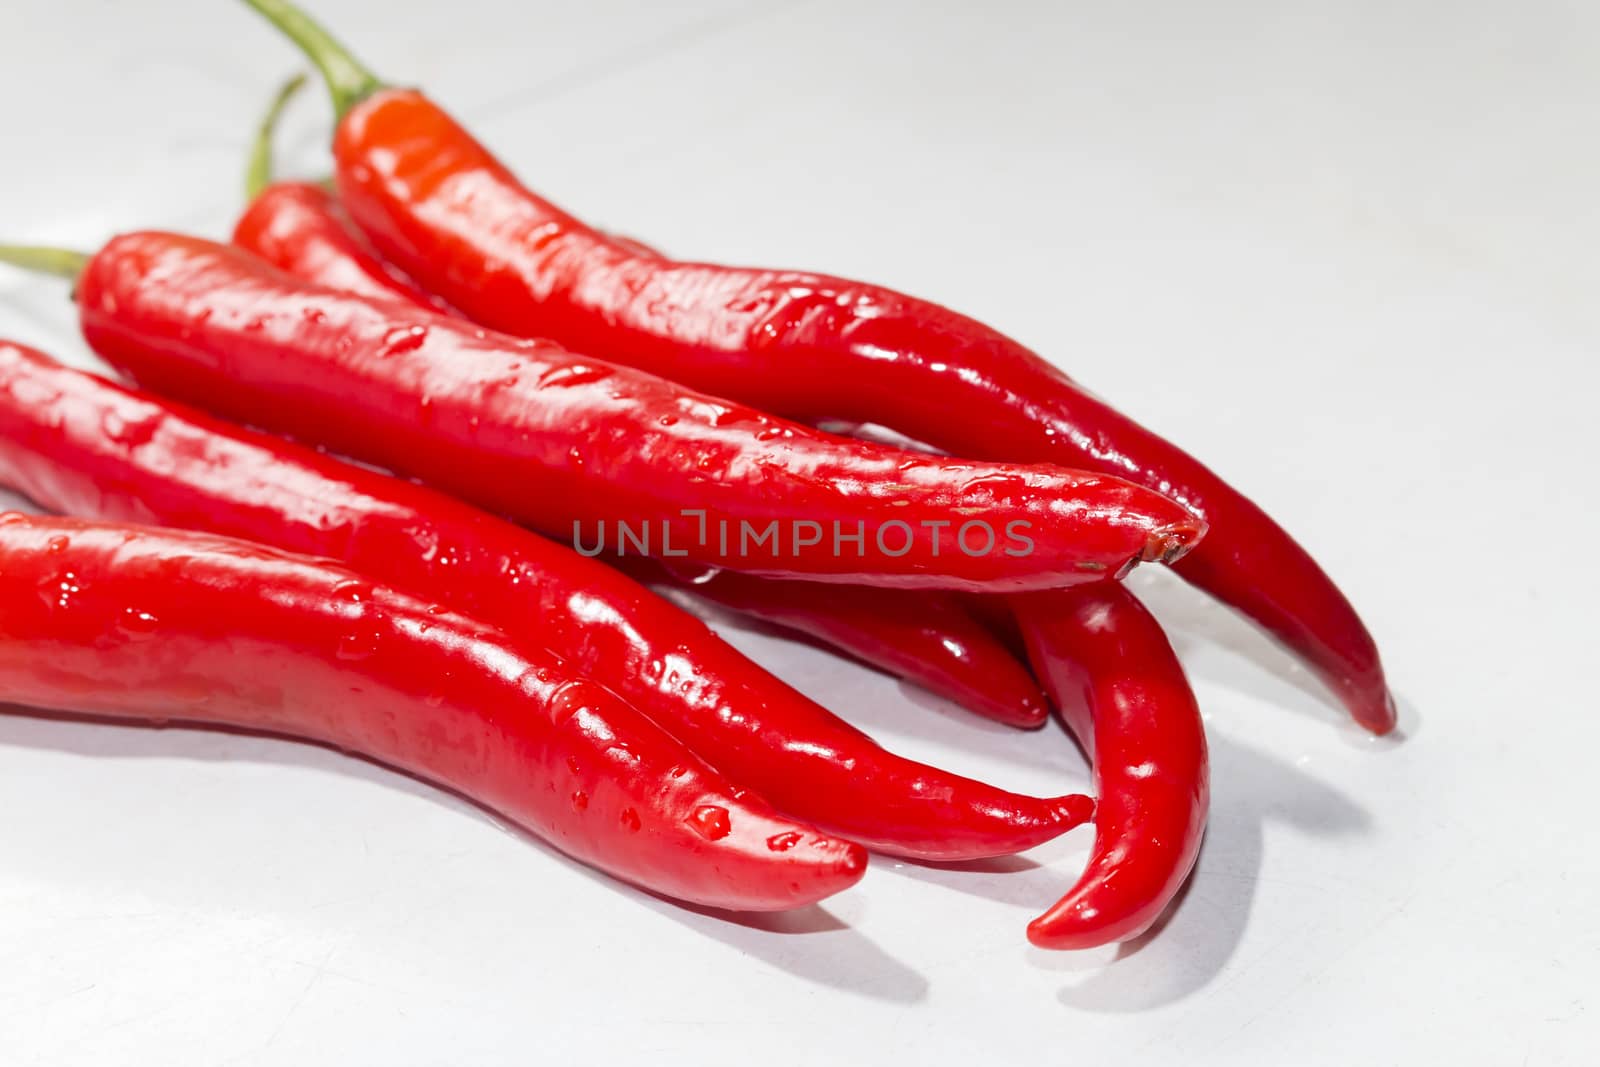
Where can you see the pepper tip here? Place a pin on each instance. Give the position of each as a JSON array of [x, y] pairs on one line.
[[1172, 542], [1382, 718], [1028, 714], [1057, 936], [1074, 924], [1075, 809], [845, 861]]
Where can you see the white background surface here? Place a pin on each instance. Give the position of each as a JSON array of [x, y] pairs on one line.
[[1345, 252]]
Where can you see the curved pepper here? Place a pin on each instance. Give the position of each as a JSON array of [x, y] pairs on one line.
[[440, 206], [161, 625], [1110, 671], [587, 450], [76, 443]]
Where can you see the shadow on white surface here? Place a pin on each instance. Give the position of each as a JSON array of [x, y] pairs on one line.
[[809, 943], [106, 737], [1252, 662], [926, 700], [1021, 881]]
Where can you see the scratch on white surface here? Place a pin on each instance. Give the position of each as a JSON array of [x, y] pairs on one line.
[[58, 998], [138, 1017], [318, 969], [1575, 1008]]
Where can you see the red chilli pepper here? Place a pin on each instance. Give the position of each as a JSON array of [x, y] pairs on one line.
[[438, 205], [75, 443], [922, 637], [155, 625], [300, 227], [1109, 669], [527, 429]]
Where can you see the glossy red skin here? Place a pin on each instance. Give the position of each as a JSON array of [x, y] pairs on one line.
[[1108, 667], [808, 346], [160, 625], [528, 429], [922, 637], [300, 228], [75, 443]]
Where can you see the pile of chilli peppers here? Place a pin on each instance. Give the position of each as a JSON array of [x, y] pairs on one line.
[[511, 383]]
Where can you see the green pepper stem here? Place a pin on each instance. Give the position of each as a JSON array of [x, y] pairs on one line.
[[62, 262], [258, 175], [349, 82]]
